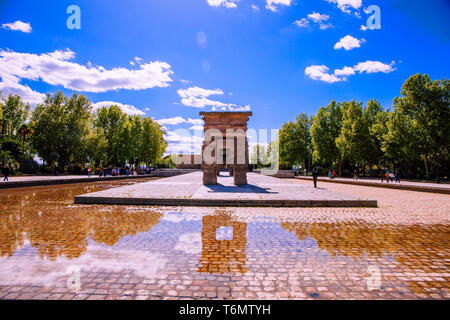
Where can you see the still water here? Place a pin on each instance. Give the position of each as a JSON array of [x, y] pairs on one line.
[[156, 253]]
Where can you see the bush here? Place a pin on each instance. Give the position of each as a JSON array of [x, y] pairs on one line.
[[29, 166]]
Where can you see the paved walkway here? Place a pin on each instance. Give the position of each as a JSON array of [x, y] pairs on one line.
[[403, 185], [32, 181], [188, 190]]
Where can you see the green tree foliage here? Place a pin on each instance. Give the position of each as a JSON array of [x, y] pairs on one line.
[[259, 156], [352, 141], [130, 138], [295, 141], [425, 103], [14, 112], [59, 125], [325, 129]]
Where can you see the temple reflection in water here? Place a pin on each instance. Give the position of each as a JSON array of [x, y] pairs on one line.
[[223, 255]]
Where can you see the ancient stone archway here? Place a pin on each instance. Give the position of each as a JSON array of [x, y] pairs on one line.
[[225, 146]]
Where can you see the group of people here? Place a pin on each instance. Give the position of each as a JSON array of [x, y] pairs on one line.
[[332, 174], [390, 176], [119, 171]]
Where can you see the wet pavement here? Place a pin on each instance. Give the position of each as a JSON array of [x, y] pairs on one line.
[[53, 249]]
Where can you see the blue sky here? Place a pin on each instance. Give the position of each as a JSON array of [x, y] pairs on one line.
[[171, 59]]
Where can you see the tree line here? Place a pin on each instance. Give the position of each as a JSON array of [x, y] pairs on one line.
[[412, 138], [66, 134]]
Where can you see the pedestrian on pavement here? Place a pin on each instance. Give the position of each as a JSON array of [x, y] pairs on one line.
[[397, 177], [6, 172], [89, 172], [391, 177], [330, 175], [315, 174], [355, 175], [382, 176], [334, 174], [387, 176]]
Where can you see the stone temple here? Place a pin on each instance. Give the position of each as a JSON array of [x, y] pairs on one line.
[[225, 146]]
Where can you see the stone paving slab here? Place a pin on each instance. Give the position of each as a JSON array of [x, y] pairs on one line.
[[443, 188], [188, 190]]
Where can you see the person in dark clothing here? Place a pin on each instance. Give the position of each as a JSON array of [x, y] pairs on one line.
[[382, 176], [315, 174], [5, 172], [397, 177]]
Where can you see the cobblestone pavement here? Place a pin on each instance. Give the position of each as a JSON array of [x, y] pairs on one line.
[[397, 251]]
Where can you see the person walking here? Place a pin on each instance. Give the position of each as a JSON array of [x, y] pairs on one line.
[[382, 176], [397, 177], [391, 177], [315, 174], [89, 172], [5, 172], [330, 174], [355, 175], [334, 174], [387, 176]]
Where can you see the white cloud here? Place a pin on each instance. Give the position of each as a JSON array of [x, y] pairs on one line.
[[348, 43], [364, 28], [171, 121], [255, 7], [54, 69], [346, 5], [302, 23], [197, 122], [346, 71], [18, 26], [183, 141], [272, 5], [317, 17], [374, 67], [225, 3], [321, 72], [197, 97], [325, 26], [126, 108], [12, 86], [196, 128]]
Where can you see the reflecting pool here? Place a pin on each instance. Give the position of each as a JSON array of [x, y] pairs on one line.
[[53, 249]]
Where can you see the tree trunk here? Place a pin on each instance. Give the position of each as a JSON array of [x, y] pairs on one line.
[[340, 167], [426, 166]]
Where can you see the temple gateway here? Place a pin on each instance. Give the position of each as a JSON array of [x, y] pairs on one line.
[[225, 146]]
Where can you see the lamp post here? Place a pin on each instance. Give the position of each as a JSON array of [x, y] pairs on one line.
[[437, 168]]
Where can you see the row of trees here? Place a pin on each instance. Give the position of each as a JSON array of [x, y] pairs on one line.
[[64, 131], [413, 137]]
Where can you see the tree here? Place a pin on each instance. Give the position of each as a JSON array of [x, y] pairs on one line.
[[352, 140], [114, 124], [373, 152], [14, 112], [59, 126], [152, 145], [295, 141], [325, 128], [24, 132], [95, 146], [426, 103], [259, 156]]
